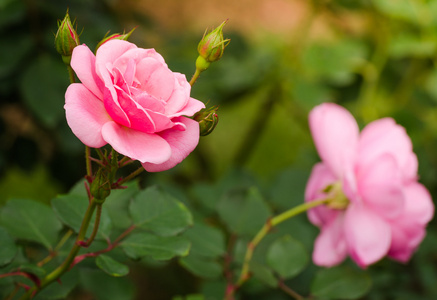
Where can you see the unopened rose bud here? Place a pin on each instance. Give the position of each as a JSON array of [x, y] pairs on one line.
[[212, 45], [66, 38], [115, 36], [101, 185], [207, 119]]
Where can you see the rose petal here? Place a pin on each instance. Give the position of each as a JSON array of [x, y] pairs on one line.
[[86, 115], [319, 179], [182, 143], [418, 204], [380, 186], [155, 78], [83, 63], [330, 246], [367, 235], [385, 136], [109, 52], [405, 240], [335, 133], [192, 107], [113, 107], [180, 96], [135, 144]]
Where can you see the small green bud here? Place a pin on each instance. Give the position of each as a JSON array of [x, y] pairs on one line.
[[212, 45], [101, 186], [207, 119], [115, 36], [66, 38]]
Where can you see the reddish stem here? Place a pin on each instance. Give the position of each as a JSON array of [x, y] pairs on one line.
[[111, 246]]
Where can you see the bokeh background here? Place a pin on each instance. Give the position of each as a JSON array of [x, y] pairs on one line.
[[375, 57]]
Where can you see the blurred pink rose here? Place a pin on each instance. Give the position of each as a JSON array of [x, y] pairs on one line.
[[376, 171], [130, 99]]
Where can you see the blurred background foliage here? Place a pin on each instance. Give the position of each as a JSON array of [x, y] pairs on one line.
[[375, 57]]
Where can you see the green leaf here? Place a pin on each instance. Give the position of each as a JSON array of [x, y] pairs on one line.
[[206, 240], [117, 205], [45, 95], [71, 210], [160, 248], [340, 283], [201, 266], [61, 289], [111, 266], [263, 274], [8, 249], [30, 220], [244, 212], [159, 212], [105, 287], [287, 256]]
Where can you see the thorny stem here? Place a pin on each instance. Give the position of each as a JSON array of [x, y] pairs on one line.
[[244, 275]]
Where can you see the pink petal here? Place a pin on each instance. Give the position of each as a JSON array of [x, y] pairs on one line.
[[182, 143], [155, 78], [192, 107], [86, 115], [110, 51], [367, 235], [380, 185], [335, 133], [330, 246], [409, 228], [180, 95], [135, 144], [114, 108], [405, 240], [385, 136], [83, 63], [418, 204], [319, 179], [160, 83], [142, 119]]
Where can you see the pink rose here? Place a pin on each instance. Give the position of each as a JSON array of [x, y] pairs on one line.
[[386, 210], [130, 99]]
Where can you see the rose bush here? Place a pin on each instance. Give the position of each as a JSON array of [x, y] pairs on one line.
[[382, 210], [129, 98]]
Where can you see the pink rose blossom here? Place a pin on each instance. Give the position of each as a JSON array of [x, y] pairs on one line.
[[386, 210], [130, 99]]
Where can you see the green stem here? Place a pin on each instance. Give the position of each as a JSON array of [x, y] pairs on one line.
[[71, 74], [131, 175], [89, 171], [59, 271], [96, 226], [244, 275], [195, 76]]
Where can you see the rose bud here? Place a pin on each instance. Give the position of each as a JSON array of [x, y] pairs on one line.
[[207, 119], [66, 38], [115, 36], [211, 47]]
